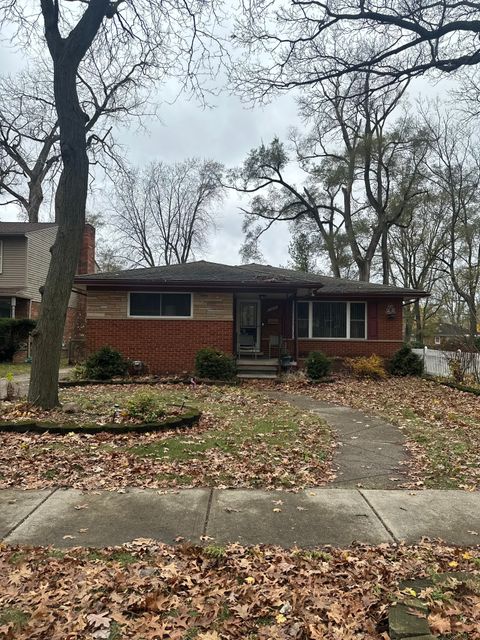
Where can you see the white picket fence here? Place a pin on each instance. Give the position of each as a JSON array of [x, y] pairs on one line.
[[436, 362]]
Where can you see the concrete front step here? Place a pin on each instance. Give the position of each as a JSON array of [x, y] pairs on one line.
[[260, 367], [257, 375]]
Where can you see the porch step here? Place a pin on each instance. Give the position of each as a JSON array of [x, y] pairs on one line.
[[258, 368], [257, 375]]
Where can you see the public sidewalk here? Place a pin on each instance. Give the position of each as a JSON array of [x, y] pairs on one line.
[[21, 382], [68, 518]]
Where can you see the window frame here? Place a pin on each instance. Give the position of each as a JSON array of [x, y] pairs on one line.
[[160, 317], [310, 319], [1, 256]]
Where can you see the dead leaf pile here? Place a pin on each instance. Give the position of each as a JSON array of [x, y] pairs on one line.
[[152, 592]]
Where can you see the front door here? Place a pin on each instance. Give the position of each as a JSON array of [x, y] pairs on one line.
[[248, 325]]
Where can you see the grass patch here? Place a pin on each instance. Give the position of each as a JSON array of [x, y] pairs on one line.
[[16, 617]]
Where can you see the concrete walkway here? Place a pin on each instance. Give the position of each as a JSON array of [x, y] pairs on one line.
[[66, 518], [370, 451], [21, 382]]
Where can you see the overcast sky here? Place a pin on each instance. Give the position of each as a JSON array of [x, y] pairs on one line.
[[225, 132]]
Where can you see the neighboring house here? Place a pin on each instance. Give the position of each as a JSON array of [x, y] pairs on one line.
[[448, 335], [24, 261], [163, 315]]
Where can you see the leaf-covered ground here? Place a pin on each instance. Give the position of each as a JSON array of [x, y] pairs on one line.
[[243, 439], [145, 591], [442, 424]]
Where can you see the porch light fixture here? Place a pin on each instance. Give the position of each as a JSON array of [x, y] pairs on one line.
[[391, 311]]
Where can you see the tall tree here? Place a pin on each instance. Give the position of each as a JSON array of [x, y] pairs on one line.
[[177, 32], [108, 91], [416, 254], [455, 173], [164, 214], [361, 168], [290, 44]]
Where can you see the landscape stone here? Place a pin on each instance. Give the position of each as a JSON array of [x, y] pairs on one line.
[[70, 407], [403, 624]]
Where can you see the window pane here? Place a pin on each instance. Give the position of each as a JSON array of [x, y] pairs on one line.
[[302, 319], [144, 304], [176, 304], [329, 319], [357, 320], [248, 314], [5, 308]]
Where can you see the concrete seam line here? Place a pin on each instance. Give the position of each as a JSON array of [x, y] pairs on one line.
[[387, 529], [207, 514], [18, 524]]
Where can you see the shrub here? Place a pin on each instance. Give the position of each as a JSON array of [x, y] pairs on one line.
[[406, 363], [106, 363], [318, 365], [367, 367], [213, 364], [13, 332], [145, 406]]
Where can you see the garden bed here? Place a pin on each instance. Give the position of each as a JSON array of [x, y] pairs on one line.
[[187, 418]]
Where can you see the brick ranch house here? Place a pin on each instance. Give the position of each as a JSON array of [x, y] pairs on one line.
[[163, 315]]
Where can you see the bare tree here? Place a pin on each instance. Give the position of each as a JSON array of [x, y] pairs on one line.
[[109, 90], [455, 173], [178, 35], [297, 44], [362, 176], [416, 252], [164, 214]]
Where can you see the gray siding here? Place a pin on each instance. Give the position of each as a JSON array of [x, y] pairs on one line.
[[38, 260], [14, 263]]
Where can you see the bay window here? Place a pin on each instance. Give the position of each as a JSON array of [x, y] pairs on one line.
[[325, 319]]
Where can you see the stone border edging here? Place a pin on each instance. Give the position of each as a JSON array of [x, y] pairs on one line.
[[67, 384], [173, 422]]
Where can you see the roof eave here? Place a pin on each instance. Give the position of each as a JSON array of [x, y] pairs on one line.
[[123, 283]]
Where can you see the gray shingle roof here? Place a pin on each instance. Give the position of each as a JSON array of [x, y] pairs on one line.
[[21, 228], [248, 276]]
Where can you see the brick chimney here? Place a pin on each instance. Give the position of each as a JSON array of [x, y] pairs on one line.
[[86, 264]]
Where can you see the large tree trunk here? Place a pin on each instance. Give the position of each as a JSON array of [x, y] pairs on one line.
[[70, 204], [364, 267], [418, 322], [385, 258], [35, 198]]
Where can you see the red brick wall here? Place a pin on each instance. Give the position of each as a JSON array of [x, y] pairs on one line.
[[74, 321], [166, 346], [86, 264]]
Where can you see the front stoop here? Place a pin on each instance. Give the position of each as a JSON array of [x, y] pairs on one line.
[[258, 368]]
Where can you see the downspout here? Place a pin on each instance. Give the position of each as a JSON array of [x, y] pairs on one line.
[[294, 325], [234, 336]]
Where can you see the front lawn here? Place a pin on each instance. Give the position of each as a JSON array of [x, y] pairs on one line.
[[442, 424], [151, 591], [243, 439]]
